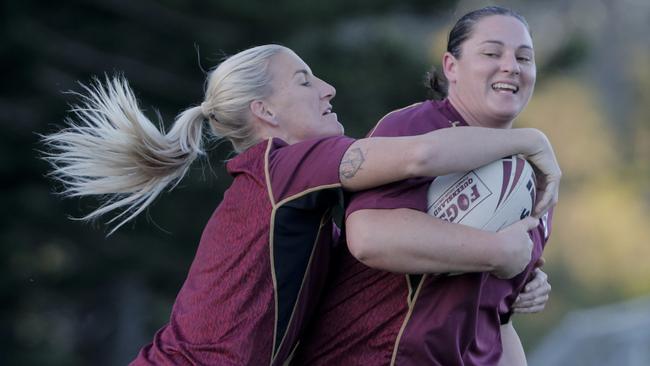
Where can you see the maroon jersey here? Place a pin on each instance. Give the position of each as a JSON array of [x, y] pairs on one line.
[[261, 262], [373, 317]]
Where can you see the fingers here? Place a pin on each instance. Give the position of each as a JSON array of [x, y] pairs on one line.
[[538, 302], [543, 197], [537, 286], [542, 205], [538, 280], [535, 295], [530, 310], [548, 199], [530, 223]]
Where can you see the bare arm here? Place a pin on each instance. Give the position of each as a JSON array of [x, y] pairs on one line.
[[513, 352], [375, 161], [430, 245]]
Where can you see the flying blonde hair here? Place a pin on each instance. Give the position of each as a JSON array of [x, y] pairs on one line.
[[111, 150]]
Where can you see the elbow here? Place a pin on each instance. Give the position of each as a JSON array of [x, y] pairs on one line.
[[359, 240], [358, 244]]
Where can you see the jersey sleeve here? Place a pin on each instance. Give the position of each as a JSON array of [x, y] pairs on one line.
[[304, 166], [409, 193]]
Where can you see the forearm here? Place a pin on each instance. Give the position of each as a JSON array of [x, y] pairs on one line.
[[375, 161], [452, 150], [409, 241], [372, 162], [513, 351]]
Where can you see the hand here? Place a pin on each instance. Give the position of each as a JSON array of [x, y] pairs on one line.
[[548, 175], [535, 295], [516, 247]]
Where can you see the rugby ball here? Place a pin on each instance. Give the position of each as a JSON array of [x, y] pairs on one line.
[[490, 197]]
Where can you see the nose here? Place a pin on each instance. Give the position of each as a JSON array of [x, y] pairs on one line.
[[327, 91], [510, 65]]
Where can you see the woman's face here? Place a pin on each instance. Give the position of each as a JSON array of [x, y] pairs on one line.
[[300, 101], [493, 79]]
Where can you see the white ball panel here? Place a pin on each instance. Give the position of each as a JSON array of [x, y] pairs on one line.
[[490, 197]]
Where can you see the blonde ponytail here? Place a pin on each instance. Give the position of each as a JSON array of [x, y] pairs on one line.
[[112, 150]]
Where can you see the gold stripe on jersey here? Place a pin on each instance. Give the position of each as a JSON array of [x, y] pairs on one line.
[[266, 172], [411, 306]]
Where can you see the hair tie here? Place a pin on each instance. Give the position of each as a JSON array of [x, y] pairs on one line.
[[205, 110]]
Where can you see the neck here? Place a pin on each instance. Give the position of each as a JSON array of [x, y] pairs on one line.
[[476, 119]]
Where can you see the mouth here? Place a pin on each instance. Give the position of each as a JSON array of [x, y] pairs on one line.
[[327, 111], [505, 87]]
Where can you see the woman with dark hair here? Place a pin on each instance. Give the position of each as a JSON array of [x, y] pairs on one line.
[[371, 314]]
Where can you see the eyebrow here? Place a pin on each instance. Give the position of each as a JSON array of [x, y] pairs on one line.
[[502, 44], [302, 71]]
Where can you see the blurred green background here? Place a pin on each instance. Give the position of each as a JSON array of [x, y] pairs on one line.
[[71, 296]]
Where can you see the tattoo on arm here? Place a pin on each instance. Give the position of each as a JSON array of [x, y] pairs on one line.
[[351, 163]]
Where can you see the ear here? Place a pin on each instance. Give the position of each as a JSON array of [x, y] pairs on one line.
[[262, 110], [449, 65]]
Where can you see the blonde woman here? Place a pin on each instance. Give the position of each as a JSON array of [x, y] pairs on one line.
[[263, 255]]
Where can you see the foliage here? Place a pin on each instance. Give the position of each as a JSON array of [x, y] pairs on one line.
[[71, 296]]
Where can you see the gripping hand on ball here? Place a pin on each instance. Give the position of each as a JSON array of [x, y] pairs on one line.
[[516, 247], [548, 174]]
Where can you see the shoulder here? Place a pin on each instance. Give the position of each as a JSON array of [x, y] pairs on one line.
[[415, 119], [249, 162], [277, 147]]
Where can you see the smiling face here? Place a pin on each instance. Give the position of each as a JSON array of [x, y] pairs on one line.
[[299, 107], [493, 78]]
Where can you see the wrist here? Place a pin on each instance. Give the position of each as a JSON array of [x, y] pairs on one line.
[[495, 253], [537, 141], [424, 156]]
